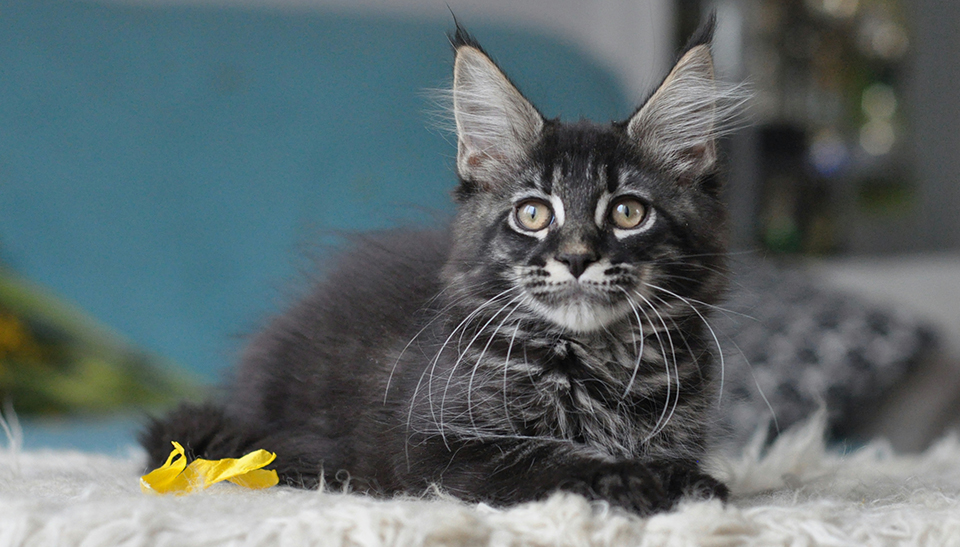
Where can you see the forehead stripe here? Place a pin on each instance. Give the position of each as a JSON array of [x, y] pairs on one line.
[[613, 177], [546, 178]]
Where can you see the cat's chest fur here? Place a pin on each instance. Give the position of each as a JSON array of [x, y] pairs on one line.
[[614, 391]]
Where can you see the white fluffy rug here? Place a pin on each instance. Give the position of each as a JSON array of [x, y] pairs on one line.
[[797, 493]]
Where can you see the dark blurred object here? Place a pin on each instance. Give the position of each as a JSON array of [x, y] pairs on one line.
[[827, 164], [851, 148], [56, 360]]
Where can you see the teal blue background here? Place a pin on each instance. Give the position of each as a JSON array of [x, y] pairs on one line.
[[164, 168]]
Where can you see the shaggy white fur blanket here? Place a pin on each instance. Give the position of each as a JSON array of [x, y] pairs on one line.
[[794, 493]]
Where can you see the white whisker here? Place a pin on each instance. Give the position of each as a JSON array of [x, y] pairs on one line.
[[712, 333], [438, 315], [506, 369], [480, 357], [433, 364], [636, 364], [664, 418]]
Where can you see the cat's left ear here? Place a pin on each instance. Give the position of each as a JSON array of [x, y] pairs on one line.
[[677, 127], [496, 125]]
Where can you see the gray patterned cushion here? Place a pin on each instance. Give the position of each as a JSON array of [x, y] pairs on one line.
[[800, 345]]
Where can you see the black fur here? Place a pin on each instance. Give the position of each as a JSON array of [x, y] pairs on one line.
[[460, 358]]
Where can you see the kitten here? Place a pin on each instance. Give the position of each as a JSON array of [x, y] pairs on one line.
[[549, 340]]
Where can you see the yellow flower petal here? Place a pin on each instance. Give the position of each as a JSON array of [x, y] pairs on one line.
[[214, 471], [176, 477], [256, 479], [164, 478]]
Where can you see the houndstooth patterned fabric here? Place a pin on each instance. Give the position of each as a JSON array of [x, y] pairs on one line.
[[792, 345]]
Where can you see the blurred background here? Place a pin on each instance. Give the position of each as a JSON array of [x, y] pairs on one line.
[[168, 166]]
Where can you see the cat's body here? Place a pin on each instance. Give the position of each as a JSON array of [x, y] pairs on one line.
[[553, 338]]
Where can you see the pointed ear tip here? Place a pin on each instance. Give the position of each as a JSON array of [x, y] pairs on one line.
[[702, 50], [700, 55], [466, 53], [471, 50], [469, 57]]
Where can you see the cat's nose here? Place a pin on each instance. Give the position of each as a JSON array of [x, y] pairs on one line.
[[577, 262]]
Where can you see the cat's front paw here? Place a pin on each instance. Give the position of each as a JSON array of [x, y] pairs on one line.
[[700, 486], [647, 488], [686, 480], [630, 485]]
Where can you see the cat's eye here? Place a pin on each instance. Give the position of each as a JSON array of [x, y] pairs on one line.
[[627, 213], [533, 215]]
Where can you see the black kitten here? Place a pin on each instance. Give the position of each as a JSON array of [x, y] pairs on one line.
[[547, 341]]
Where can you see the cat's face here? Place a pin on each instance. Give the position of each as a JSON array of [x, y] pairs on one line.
[[584, 225]]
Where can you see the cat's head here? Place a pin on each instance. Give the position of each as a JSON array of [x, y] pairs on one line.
[[584, 225]]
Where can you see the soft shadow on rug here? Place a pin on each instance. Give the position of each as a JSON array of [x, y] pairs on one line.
[[795, 492]]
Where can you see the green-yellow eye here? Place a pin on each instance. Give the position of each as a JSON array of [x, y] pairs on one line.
[[627, 213], [533, 215]]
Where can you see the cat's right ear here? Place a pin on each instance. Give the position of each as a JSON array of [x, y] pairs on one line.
[[678, 127], [496, 125]]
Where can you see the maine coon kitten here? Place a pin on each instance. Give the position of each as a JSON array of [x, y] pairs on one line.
[[551, 339]]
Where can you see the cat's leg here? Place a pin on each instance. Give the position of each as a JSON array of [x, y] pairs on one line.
[[207, 431], [515, 472], [306, 459], [204, 431]]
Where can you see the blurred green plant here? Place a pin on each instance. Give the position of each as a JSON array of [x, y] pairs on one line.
[[56, 360]]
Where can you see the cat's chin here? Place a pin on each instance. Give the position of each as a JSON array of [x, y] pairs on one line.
[[582, 317]]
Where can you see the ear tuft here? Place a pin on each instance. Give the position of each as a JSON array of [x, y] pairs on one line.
[[496, 125], [460, 37], [703, 36]]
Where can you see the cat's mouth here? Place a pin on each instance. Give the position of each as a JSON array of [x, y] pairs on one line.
[[581, 313], [579, 306], [593, 301], [586, 292]]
